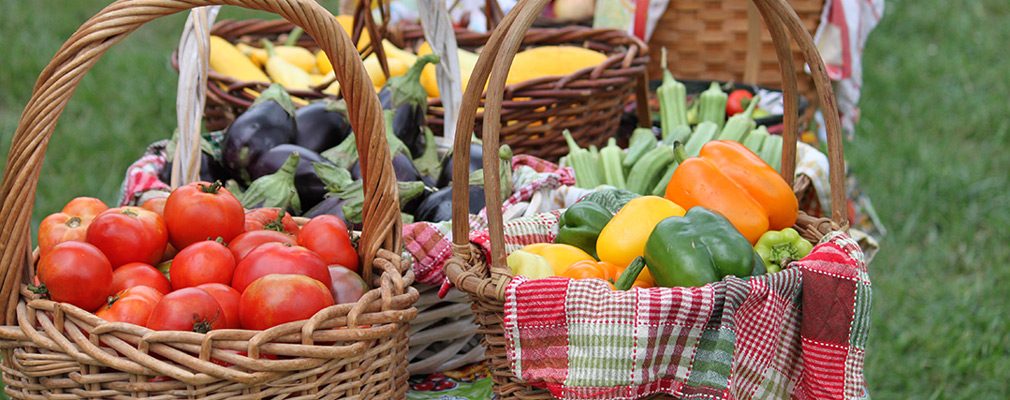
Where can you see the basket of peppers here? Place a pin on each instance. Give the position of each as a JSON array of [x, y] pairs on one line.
[[720, 287]]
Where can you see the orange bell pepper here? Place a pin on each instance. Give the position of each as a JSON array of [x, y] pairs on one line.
[[729, 178], [586, 269], [559, 255]]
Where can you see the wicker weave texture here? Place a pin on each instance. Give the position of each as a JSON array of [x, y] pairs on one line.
[[589, 102], [484, 280], [707, 39], [55, 350]]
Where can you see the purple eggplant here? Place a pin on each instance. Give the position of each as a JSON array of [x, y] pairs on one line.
[[403, 168], [269, 122], [311, 189], [437, 207], [321, 126], [331, 206], [408, 100], [210, 170], [476, 162]]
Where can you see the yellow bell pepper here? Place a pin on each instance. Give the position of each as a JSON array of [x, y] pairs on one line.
[[530, 265], [623, 238], [559, 255]]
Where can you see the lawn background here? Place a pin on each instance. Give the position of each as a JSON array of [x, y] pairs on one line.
[[931, 151]]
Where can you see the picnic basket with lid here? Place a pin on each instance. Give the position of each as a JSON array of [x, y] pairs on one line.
[[589, 102], [496, 297], [354, 350]]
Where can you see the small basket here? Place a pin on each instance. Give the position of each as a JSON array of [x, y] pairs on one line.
[[485, 280], [589, 102], [723, 41], [56, 350]]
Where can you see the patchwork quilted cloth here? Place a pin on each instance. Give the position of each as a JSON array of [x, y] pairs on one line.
[[799, 334]]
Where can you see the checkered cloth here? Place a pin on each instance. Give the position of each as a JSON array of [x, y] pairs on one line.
[[429, 245], [800, 334]]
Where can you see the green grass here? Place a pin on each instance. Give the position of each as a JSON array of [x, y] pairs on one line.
[[931, 151]]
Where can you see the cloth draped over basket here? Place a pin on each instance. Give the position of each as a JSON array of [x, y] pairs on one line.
[[796, 334]]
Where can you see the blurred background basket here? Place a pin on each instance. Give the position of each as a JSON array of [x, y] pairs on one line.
[[485, 280], [589, 102], [56, 350], [726, 40]]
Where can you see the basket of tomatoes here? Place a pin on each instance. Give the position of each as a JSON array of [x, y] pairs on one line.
[[193, 295], [720, 287]]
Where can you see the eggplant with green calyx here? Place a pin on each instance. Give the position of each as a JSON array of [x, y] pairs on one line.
[[276, 189], [403, 168], [408, 100], [269, 122], [344, 154], [427, 163], [322, 125], [476, 162], [210, 170], [437, 207], [332, 205], [311, 189]]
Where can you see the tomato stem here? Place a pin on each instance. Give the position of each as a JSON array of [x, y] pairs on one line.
[[277, 224], [213, 188], [129, 213], [41, 289], [73, 222]]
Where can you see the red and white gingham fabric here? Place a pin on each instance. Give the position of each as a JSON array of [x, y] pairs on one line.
[[796, 334]]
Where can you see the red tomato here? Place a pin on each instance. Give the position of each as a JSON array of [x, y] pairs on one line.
[[328, 236], [276, 258], [246, 242], [133, 305], [187, 309], [76, 273], [346, 285], [61, 227], [208, 261], [202, 210], [129, 234], [139, 274], [734, 101], [281, 298], [84, 207], [270, 219], [156, 204], [228, 298]]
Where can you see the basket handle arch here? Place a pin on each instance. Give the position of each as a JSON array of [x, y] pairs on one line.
[[492, 68], [57, 82]]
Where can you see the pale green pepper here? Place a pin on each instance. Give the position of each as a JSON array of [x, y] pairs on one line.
[[530, 265], [779, 248]]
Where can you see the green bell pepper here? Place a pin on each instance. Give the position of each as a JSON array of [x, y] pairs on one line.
[[779, 248], [581, 224], [698, 248]]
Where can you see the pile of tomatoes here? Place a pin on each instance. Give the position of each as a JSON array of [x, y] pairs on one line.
[[195, 261]]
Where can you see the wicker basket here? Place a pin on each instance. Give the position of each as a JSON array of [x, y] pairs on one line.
[[485, 280], [441, 337], [56, 350], [723, 40], [589, 102]]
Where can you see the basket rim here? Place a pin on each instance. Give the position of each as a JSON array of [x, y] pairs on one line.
[[633, 60]]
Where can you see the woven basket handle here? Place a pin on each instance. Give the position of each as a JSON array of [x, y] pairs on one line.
[[57, 82], [493, 66]]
